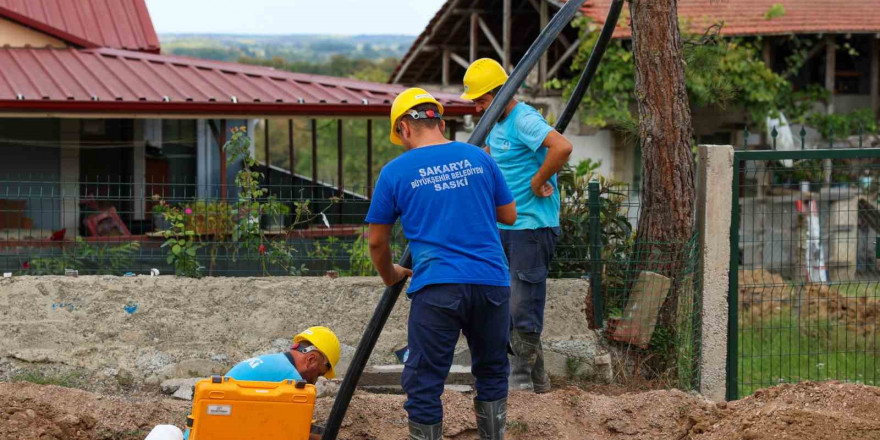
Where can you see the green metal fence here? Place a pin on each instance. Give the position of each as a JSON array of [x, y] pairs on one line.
[[645, 294], [804, 278]]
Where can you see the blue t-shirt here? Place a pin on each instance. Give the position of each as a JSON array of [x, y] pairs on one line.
[[267, 368], [516, 144], [445, 196]]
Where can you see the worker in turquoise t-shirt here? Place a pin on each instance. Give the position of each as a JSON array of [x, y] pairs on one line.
[[529, 153], [448, 197], [315, 353]]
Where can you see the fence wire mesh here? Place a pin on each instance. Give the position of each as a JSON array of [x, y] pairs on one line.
[[648, 292], [806, 271]]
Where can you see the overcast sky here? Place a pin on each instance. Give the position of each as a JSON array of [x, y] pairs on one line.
[[344, 17]]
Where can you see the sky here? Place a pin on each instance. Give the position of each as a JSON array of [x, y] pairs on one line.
[[342, 17]]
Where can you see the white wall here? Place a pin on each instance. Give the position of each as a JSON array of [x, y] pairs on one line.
[[598, 146]]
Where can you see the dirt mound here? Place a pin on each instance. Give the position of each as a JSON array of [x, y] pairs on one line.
[[48, 412], [764, 295], [804, 411], [807, 411]]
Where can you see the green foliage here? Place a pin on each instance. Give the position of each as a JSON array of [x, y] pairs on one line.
[[572, 250], [775, 11], [840, 126], [95, 258], [66, 380], [180, 243], [719, 72], [359, 256]]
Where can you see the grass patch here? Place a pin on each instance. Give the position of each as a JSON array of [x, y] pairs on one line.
[[515, 427], [788, 348], [67, 380]]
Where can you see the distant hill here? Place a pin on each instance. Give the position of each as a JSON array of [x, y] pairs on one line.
[[291, 48]]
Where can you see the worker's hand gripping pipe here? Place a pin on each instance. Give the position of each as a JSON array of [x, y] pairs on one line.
[[389, 297]]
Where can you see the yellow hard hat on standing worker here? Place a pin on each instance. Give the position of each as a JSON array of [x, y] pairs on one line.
[[327, 344], [483, 76], [406, 100]]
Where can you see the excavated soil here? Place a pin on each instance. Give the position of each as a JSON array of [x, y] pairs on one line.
[[807, 411]]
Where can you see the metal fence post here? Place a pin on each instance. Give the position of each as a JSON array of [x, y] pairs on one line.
[[595, 205]]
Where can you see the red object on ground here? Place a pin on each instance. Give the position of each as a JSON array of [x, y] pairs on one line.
[[58, 235], [106, 224]]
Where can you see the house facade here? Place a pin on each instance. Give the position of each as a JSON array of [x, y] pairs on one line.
[[93, 114]]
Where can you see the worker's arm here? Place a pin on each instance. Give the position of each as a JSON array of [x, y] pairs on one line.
[[558, 151], [506, 214], [380, 253]]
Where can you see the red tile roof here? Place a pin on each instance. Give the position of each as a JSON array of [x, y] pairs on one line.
[[747, 17], [110, 80], [120, 24]]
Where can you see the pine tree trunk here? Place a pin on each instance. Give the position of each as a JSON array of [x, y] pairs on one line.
[[666, 220]]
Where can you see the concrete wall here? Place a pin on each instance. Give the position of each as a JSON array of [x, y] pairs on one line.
[[16, 35]]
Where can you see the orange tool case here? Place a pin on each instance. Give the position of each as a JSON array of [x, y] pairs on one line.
[[224, 409]]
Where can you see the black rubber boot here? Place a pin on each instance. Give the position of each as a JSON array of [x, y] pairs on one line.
[[527, 371], [491, 419], [418, 431], [540, 379]]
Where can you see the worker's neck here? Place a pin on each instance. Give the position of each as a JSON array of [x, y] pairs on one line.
[[509, 108], [427, 140]]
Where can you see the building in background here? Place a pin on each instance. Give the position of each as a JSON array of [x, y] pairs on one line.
[[847, 63]]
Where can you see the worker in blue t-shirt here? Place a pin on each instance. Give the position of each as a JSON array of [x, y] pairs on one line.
[[529, 153], [315, 353], [448, 197]]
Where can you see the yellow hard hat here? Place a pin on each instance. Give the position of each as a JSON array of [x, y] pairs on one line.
[[483, 76], [406, 100], [326, 342]]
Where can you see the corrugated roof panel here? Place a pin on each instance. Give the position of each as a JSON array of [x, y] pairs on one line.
[[749, 17], [92, 78], [120, 24]]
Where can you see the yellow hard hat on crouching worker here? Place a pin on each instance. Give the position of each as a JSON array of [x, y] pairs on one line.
[[326, 342], [483, 76], [406, 100]]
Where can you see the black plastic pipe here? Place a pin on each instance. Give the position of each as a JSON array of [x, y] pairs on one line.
[[592, 64], [389, 297], [525, 65]]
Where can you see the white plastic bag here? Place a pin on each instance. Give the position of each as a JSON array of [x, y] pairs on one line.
[[784, 136], [165, 432]]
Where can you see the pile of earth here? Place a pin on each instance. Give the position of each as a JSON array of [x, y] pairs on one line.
[[805, 411]]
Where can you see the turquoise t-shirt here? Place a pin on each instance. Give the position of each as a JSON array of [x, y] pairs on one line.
[[515, 144], [268, 368]]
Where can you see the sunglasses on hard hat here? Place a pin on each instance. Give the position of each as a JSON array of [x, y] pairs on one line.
[[426, 114], [309, 349]]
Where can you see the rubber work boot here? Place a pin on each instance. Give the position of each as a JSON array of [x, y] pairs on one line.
[[527, 371], [491, 419], [418, 431]]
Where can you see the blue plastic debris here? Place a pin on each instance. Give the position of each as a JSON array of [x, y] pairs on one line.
[[131, 308], [129, 274]]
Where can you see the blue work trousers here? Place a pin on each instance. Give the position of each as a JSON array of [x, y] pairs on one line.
[[438, 315], [529, 252]]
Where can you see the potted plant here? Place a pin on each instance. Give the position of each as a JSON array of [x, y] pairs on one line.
[[160, 221], [209, 217], [275, 214]]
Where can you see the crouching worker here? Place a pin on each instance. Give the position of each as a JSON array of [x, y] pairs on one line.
[[448, 196], [315, 353]]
